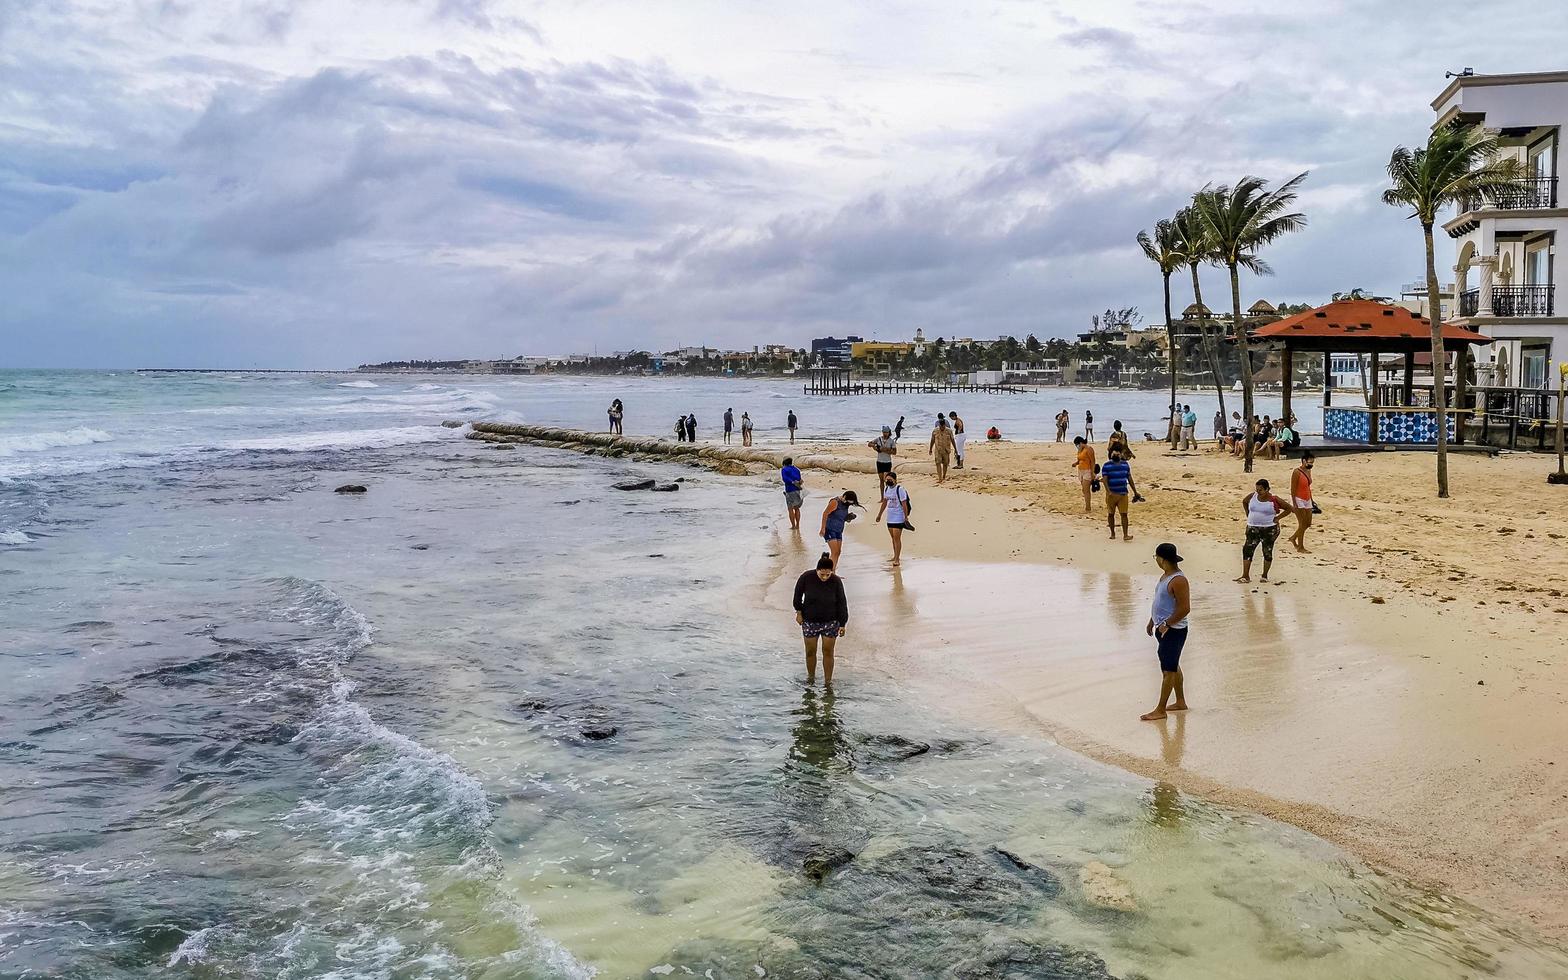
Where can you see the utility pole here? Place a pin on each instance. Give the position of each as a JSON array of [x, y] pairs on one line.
[[1560, 477]]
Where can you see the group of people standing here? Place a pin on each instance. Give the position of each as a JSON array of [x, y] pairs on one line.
[[1064, 421], [686, 425], [745, 426]]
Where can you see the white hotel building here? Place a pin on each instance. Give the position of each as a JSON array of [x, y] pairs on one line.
[[1505, 271]]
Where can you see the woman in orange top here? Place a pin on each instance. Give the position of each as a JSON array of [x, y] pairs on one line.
[[1085, 466], [1301, 500]]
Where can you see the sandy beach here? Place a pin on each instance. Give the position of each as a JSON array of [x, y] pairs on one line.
[[1399, 691]]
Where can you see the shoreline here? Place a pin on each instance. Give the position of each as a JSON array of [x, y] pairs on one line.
[[1367, 723]]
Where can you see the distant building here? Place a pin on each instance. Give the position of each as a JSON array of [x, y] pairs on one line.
[[833, 351]]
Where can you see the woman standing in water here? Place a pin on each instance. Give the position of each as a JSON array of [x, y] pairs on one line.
[[822, 611], [833, 520]]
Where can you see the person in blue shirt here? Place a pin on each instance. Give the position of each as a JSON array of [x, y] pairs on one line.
[[794, 491], [1119, 487]]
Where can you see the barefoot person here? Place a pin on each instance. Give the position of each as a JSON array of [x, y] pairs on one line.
[[833, 520], [959, 438], [940, 448], [895, 504], [745, 428], [1263, 511], [1084, 463], [1119, 488], [886, 446], [729, 424], [1168, 625], [822, 612], [792, 422], [794, 491], [1301, 500]]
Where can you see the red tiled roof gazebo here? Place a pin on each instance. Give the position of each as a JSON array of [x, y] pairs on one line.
[[1362, 326]]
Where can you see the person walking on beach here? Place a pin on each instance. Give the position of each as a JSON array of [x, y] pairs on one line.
[[1168, 625], [1189, 426], [1263, 511], [729, 424], [895, 504], [1119, 488], [1118, 441], [833, 520], [1301, 500], [1062, 421], [794, 491], [822, 610], [616, 413], [959, 439], [1088, 425], [940, 447], [791, 422], [680, 429], [898, 430], [887, 447], [745, 428], [1084, 463]]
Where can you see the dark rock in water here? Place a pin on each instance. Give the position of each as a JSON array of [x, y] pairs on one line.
[[350, 488], [820, 865], [665, 487], [508, 447], [893, 748], [420, 547], [1047, 881], [451, 424], [599, 733], [534, 704], [568, 503], [635, 485]]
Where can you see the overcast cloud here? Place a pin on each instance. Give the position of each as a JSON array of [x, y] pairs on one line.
[[302, 183]]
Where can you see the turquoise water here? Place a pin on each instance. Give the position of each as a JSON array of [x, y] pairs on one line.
[[254, 728]]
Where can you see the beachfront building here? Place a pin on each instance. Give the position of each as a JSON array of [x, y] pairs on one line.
[[878, 356], [1506, 248], [833, 351], [1043, 372]]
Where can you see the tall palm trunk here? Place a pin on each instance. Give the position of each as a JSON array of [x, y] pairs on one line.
[[1246, 365], [1170, 338], [1361, 366], [1208, 342], [1439, 365]]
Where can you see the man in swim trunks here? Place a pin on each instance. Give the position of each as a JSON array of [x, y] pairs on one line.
[[940, 448], [1119, 486]]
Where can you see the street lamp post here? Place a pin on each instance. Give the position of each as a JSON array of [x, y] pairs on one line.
[[1560, 477]]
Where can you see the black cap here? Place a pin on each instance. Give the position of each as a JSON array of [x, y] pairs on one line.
[[1167, 551]]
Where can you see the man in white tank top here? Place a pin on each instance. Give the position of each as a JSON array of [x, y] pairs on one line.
[[1168, 625]]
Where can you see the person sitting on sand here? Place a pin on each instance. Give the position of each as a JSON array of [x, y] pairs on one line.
[[940, 447], [1301, 500], [794, 491], [1119, 486], [1118, 442], [833, 520], [1168, 625], [1270, 447], [895, 504], [993, 434], [822, 610], [1084, 462], [1263, 511]]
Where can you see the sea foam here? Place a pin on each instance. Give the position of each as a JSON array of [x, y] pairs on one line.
[[37, 442]]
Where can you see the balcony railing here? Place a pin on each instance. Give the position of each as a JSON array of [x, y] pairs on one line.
[[1510, 301], [1529, 194]]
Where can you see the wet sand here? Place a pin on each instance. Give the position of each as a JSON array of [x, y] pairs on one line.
[[1423, 732]]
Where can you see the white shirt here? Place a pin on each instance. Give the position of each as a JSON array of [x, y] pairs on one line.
[[1261, 512], [895, 497]]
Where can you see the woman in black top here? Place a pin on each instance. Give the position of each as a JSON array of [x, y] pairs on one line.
[[822, 611]]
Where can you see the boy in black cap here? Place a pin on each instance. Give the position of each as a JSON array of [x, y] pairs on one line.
[[1168, 623]]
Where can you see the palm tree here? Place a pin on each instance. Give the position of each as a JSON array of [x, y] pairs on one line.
[[1197, 251], [1164, 250], [1456, 163], [1239, 220]]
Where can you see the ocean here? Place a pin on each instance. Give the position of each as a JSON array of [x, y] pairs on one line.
[[495, 719]]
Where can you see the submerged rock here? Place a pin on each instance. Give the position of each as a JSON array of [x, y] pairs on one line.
[[1105, 889], [635, 485], [599, 733], [893, 748], [1038, 875], [665, 487], [819, 866], [350, 488], [451, 424]]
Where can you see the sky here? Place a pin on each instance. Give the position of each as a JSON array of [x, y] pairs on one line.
[[321, 183]]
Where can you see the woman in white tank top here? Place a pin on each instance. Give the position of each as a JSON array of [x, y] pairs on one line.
[[1263, 511]]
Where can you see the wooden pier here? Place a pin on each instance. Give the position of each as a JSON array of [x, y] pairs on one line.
[[837, 381]]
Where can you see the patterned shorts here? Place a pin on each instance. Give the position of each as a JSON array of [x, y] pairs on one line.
[[1266, 536], [809, 630]]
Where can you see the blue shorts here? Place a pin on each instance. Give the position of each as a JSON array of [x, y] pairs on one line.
[[833, 534], [1170, 649]]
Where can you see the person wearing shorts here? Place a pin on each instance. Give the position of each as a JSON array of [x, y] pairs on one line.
[[833, 520], [1301, 500], [895, 504], [1084, 463], [887, 448], [1168, 625], [794, 491], [959, 438], [822, 610], [1119, 487], [1263, 511]]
